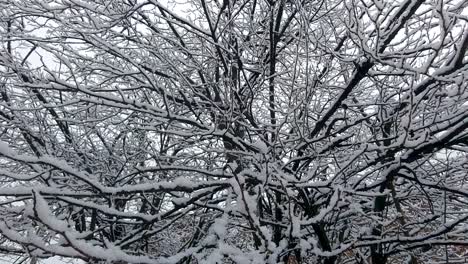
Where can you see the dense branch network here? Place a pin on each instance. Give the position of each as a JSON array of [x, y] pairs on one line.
[[234, 131]]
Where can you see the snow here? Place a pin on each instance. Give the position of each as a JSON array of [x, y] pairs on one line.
[[219, 226], [41, 210], [261, 146], [5, 149], [415, 142]]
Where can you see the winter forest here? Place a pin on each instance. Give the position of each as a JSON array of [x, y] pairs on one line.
[[234, 131]]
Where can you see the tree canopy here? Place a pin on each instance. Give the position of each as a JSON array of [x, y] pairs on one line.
[[234, 131]]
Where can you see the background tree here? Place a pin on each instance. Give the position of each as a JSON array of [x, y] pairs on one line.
[[234, 131]]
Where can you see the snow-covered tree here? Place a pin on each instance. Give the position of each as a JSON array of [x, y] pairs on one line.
[[234, 131]]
